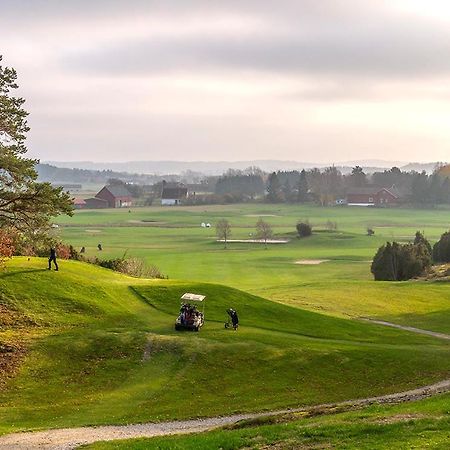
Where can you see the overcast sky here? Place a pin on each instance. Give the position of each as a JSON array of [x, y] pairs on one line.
[[305, 80]]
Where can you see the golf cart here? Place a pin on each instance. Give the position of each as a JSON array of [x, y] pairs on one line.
[[190, 318]]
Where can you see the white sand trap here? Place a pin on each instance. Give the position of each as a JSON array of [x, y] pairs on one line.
[[311, 262], [254, 241], [93, 231]]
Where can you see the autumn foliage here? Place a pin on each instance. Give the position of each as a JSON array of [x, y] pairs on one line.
[[6, 245]]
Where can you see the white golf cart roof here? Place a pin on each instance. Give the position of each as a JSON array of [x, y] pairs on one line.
[[193, 297]]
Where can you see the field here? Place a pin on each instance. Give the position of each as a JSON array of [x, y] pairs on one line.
[[172, 239], [97, 347]]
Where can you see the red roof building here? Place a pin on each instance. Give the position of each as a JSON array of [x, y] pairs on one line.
[[116, 196], [79, 203], [373, 196]]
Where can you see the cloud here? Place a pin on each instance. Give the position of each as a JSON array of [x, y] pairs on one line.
[[310, 43], [252, 76]]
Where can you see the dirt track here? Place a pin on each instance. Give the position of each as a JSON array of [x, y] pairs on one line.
[[70, 438], [406, 328]]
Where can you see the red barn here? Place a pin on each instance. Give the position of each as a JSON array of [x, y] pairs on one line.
[[117, 196], [373, 196]]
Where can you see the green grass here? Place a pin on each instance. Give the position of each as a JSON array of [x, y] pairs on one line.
[[86, 331], [343, 286], [424, 424]]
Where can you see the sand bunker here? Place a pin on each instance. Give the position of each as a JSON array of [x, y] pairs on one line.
[[93, 231], [310, 262]]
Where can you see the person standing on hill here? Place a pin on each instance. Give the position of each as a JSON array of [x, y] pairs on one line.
[[52, 258], [234, 320]]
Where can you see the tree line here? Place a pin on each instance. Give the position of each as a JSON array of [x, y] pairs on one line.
[[326, 186]]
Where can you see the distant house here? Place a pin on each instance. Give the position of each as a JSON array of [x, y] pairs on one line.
[[78, 203], [173, 194], [95, 203], [117, 196], [373, 196]]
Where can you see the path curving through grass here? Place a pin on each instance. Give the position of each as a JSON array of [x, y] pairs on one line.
[[70, 438], [407, 328]]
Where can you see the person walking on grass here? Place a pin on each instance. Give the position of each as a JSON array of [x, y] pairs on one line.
[[52, 258]]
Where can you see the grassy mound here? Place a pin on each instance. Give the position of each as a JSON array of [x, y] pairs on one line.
[[99, 347]]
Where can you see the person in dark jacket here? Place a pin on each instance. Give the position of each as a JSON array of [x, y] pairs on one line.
[[52, 258], [234, 320]]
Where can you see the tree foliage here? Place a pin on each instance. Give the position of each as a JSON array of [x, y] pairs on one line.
[[302, 187], [358, 177], [223, 230], [250, 185], [274, 190], [419, 238], [263, 230], [304, 229], [441, 250], [7, 247], [25, 204], [397, 262]]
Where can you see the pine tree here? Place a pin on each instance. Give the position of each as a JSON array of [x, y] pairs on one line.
[[274, 192], [25, 204], [302, 188]]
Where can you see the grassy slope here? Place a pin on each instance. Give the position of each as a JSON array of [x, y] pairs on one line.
[[424, 424], [343, 286], [87, 330]]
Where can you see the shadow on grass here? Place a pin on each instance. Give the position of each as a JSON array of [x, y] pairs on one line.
[[19, 272]]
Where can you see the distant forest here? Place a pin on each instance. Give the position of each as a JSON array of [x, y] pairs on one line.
[[322, 186], [328, 185]]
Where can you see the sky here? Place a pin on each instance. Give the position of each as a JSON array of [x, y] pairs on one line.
[[304, 80]]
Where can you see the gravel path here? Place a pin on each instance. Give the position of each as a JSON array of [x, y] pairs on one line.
[[406, 328], [70, 438]]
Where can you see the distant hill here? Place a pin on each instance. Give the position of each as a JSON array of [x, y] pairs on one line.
[[53, 174], [219, 167]]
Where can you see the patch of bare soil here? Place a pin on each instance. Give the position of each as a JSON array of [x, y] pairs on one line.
[[10, 318], [10, 357], [310, 262], [398, 418]]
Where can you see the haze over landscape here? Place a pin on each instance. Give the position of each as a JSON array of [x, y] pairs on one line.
[[309, 81], [228, 226]]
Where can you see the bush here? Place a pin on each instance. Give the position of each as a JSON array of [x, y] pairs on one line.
[[370, 232], [441, 250], [134, 267], [420, 239], [396, 262], [304, 229]]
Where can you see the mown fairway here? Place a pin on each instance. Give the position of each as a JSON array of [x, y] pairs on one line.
[[99, 347], [172, 239]]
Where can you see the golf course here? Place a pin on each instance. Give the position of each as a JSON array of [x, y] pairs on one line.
[[95, 347]]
